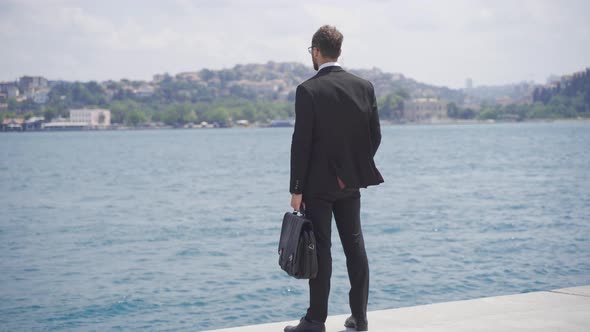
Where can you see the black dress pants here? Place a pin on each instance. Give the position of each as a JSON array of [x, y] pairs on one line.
[[345, 205]]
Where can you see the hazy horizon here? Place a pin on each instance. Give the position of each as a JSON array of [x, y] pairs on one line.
[[437, 43]]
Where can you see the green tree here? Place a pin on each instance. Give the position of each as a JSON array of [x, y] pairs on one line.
[[185, 113], [219, 115], [561, 106], [120, 110], [249, 112], [168, 116], [579, 104], [13, 105], [206, 74], [49, 114], [178, 114], [8, 115], [392, 105], [539, 111], [452, 110], [28, 115], [135, 117], [488, 114]]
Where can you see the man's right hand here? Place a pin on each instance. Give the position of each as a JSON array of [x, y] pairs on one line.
[[296, 201]]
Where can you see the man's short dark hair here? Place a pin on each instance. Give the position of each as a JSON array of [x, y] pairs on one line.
[[329, 40]]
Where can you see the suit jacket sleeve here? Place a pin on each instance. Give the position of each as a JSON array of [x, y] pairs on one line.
[[302, 138], [374, 124]]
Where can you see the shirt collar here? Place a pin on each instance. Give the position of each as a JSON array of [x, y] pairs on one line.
[[328, 64]]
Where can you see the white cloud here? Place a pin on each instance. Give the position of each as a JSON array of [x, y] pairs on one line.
[[433, 41]]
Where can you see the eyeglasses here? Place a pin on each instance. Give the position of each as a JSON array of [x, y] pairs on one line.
[[309, 49]]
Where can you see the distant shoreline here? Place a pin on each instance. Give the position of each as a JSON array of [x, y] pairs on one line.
[[468, 122], [383, 123]]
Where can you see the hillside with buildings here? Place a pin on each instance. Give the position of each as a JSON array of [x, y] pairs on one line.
[[246, 94]]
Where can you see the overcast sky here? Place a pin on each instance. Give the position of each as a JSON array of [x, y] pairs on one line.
[[437, 42]]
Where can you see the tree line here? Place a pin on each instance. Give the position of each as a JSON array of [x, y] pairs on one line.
[[569, 98], [176, 102], [168, 104], [165, 105]]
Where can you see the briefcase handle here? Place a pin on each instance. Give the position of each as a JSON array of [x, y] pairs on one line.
[[301, 211]]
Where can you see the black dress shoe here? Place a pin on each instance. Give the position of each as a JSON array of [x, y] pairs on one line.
[[352, 323], [306, 326]]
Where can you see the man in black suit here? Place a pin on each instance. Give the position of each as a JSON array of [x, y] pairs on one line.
[[336, 136]]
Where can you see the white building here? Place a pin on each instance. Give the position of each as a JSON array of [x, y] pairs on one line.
[[10, 89], [96, 117], [41, 96], [425, 109]]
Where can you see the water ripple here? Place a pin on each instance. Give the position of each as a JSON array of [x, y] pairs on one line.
[[176, 230]]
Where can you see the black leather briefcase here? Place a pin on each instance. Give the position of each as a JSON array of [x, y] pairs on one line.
[[297, 247]]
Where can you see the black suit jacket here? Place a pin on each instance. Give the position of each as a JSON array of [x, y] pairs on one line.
[[336, 133]]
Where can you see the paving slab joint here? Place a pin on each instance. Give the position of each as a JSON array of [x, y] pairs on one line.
[[554, 291]]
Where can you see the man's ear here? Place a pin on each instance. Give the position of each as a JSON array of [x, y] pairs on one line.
[[316, 51], [339, 52]]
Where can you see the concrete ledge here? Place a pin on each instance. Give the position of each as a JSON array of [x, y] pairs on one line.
[[564, 310]]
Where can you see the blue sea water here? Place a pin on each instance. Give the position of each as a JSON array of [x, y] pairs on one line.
[[176, 230]]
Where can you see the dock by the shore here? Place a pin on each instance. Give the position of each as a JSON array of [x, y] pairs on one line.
[[563, 310]]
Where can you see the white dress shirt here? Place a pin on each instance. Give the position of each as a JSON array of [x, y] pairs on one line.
[[328, 64]]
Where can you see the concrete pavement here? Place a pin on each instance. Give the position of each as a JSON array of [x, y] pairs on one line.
[[563, 310]]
